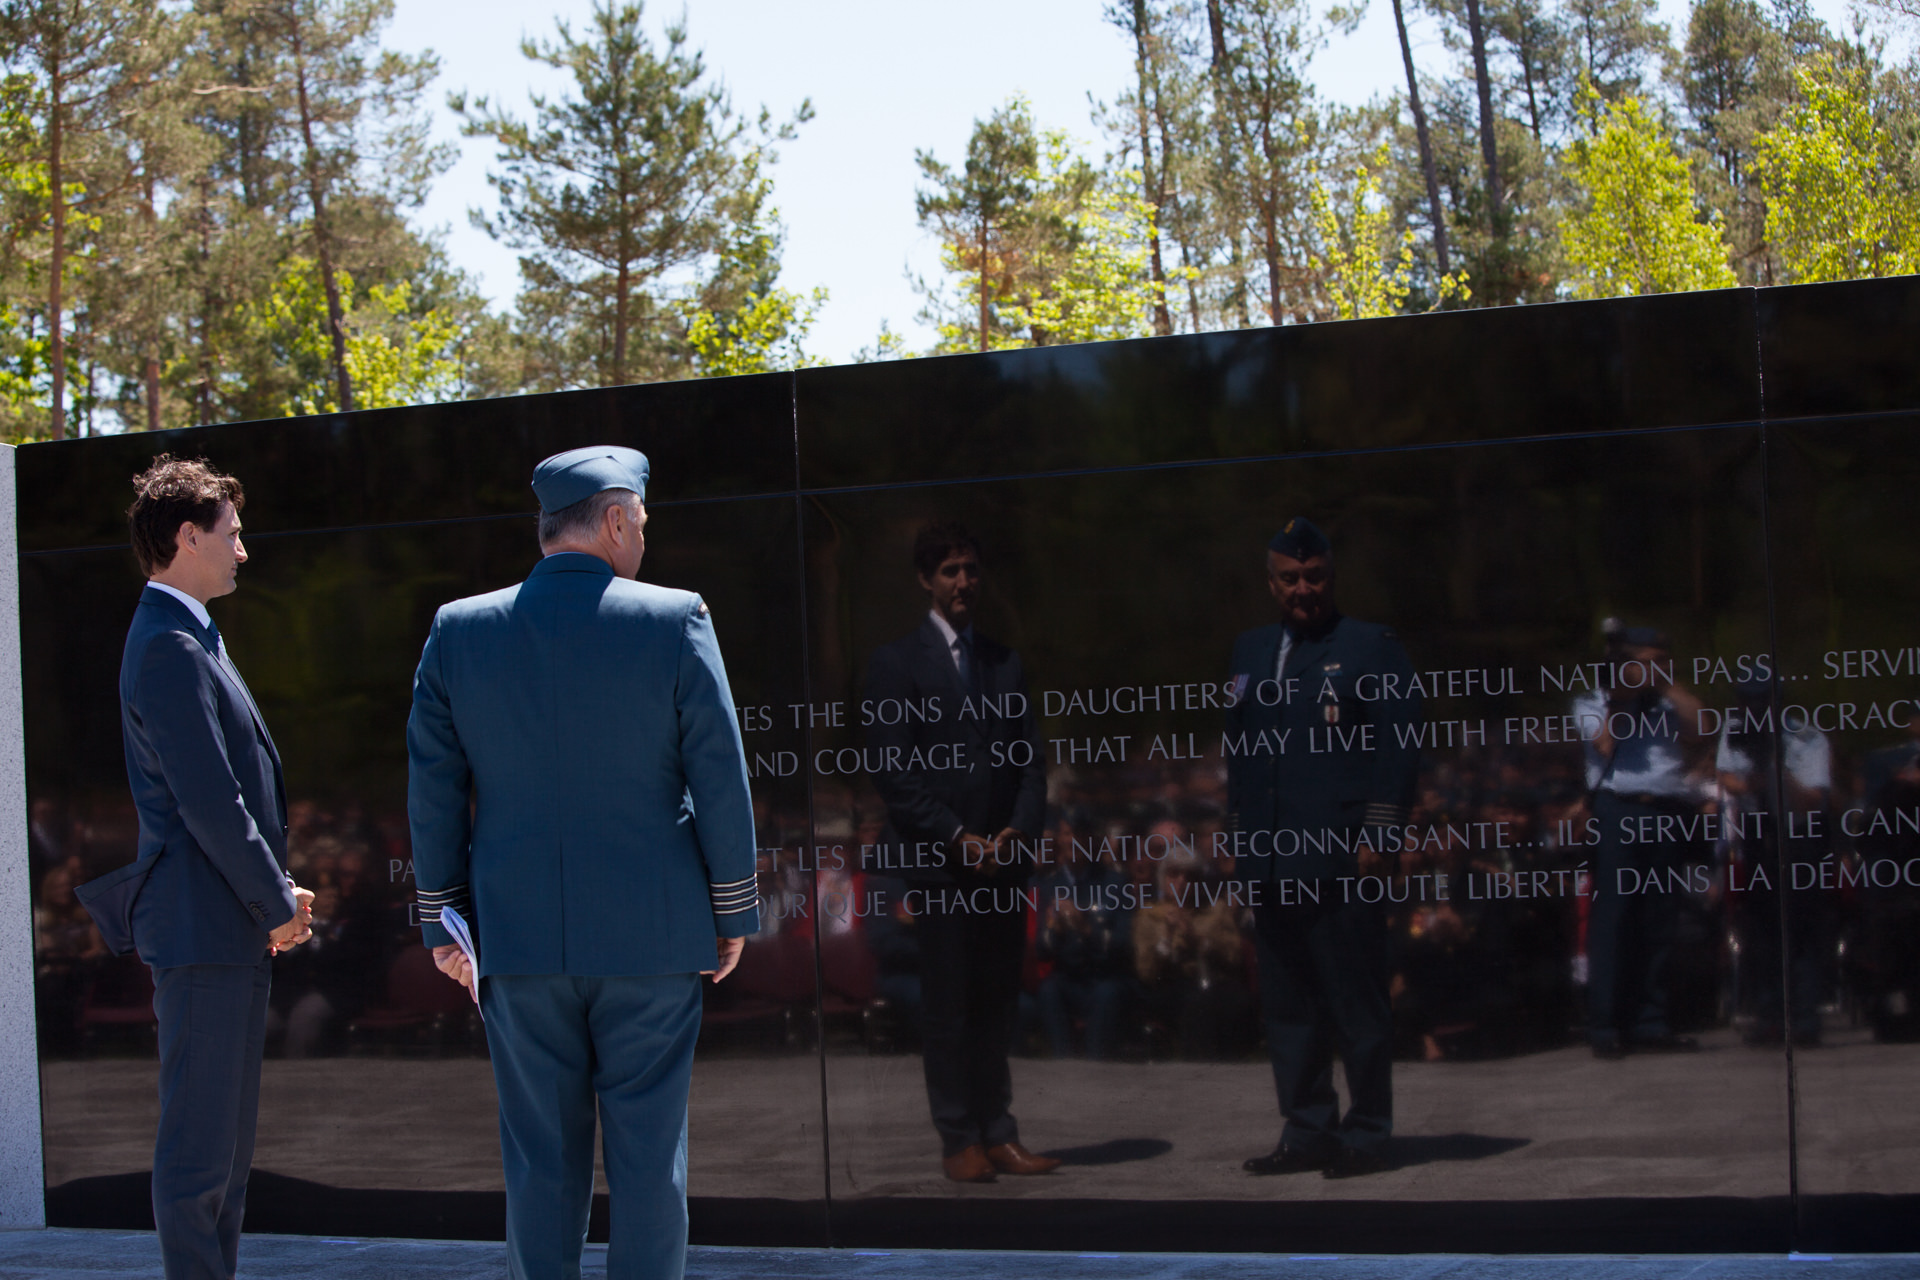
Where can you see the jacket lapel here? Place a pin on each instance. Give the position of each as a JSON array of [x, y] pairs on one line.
[[184, 621]]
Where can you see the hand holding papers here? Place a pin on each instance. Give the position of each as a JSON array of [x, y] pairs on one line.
[[451, 921]]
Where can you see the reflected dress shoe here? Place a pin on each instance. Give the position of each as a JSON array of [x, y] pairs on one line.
[[1285, 1159], [1011, 1157], [970, 1165], [1352, 1162], [1665, 1043]]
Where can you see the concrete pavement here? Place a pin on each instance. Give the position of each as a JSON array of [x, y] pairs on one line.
[[98, 1255]]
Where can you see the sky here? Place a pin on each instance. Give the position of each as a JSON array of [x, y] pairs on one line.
[[886, 77]]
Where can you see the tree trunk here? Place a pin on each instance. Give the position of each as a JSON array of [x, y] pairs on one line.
[[57, 266], [1489, 150], [984, 317], [1223, 126], [1436, 210], [1193, 292], [204, 411], [1154, 184], [1272, 230], [322, 238], [1533, 102], [152, 370], [622, 288]]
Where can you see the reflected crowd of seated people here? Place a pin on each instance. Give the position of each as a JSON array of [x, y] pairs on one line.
[[353, 987], [1135, 950], [1139, 950]]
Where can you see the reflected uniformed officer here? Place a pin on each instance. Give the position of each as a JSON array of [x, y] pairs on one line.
[[1318, 781], [578, 792]]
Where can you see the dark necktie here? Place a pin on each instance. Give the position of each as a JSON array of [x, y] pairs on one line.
[[214, 631], [964, 643]]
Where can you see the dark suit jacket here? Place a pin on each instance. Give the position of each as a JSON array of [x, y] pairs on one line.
[[1000, 780], [209, 793], [1279, 785]]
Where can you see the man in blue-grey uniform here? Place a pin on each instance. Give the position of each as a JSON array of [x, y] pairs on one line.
[[208, 901], [1320, 778], [1640, 736], [577, 792]]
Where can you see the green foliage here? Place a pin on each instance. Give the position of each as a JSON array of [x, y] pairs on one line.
[[23, 363], [394, 357], [1639, 229], [1102, 286], [762, 337], [1041, 246], [887, 345], [748, 324], [1839, 181], [985, 216], [1353, 233]]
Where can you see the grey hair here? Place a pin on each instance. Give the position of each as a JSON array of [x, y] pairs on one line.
[[582, 518]]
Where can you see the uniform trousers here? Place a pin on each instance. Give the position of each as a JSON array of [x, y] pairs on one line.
[[970, 996], [213, 1029], [558, 1044], [1325, 987], [1629, 934]]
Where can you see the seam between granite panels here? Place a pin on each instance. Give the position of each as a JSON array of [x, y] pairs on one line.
[[1060, 473]]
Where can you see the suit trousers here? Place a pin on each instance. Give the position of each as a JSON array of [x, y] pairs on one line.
[[558, 1044], [1325, 986], [213, 1029], [970, 996]]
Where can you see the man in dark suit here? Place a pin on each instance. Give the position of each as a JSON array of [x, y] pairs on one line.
[[209, 901], [577, 792], [1319, 782], [958, 763]]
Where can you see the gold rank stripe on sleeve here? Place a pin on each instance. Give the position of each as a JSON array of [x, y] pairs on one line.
[[1382, 814], [734, 897], [459, 897]]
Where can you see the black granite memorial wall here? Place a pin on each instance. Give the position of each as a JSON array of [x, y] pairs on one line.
[[1632, 629]]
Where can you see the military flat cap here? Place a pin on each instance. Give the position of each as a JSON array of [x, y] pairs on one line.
[[1300, 539], [578, 474]]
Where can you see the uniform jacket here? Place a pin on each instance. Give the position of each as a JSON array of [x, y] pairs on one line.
[[210, 881], [576, 786], [1284, 797], [980, 772]]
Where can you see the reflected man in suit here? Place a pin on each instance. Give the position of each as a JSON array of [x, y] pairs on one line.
[[209, 901], [1312, 816], [969, 787], [577, 791]]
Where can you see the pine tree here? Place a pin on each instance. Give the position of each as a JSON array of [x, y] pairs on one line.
[[983, 212], [637, 174], [1274, 139]]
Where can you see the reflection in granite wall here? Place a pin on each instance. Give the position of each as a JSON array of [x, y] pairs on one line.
[[1569, 852]]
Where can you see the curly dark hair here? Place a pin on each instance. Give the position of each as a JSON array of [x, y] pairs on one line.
[[933, 544], [168, 494]]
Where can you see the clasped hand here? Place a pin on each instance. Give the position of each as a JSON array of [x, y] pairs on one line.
[[982, 853], [297, 930]]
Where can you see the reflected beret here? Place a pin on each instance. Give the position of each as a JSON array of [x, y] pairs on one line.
[[1301, 539], [578, 474]]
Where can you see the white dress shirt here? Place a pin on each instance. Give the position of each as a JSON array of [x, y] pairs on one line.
[[198, 610], [953, 638]]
